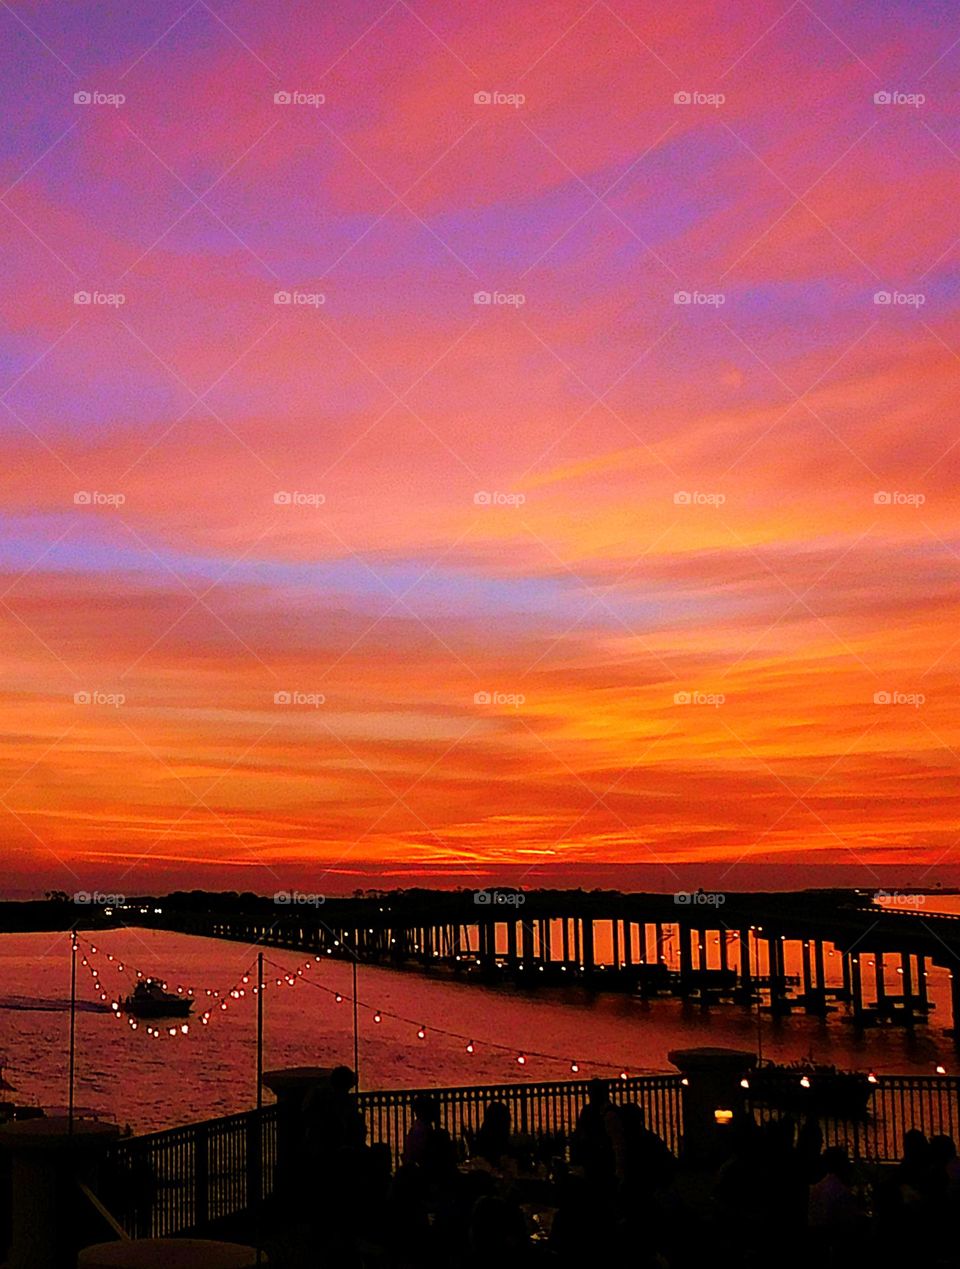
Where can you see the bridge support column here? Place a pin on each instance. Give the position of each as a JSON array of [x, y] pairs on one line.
[[880, 983], [906, 964], [628, 944], [778, 986], [821, 974], [615, 944], [565, 929], [526, 946], [955, 1007], [589, 959], [808, 1001], [686, 960], [922, 998], [856, 988], [745, 989]]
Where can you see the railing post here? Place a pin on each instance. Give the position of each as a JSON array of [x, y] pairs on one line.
[[201, 1176], [254, 1146]]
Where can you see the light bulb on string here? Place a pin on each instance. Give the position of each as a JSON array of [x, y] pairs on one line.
[[575, 1067], [422, 1033], [470, 1046], [521, 1060], [377, 1017]]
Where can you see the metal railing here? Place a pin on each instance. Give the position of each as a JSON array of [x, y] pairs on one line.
[[538, 1111], [187, 1178], [930, 1103]]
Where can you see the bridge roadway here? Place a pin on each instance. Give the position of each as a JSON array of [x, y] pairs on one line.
[[705, 946]]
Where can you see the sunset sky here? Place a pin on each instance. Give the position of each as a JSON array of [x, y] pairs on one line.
[[680, 499]]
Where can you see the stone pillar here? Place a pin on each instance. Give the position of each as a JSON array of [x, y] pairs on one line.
[[49, 1213], [712, 1098], [290, 1086]]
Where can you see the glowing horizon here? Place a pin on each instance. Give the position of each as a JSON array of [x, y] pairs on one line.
[[592, 455]]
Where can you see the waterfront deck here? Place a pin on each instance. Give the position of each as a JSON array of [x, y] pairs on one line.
[[193, 1178]]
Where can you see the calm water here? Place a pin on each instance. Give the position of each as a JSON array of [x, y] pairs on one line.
[[153, 1083]]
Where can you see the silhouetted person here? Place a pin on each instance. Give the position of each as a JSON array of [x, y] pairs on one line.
[[428, 1147], [915, 1161], [493, 1140], [836, 1219], [598, 1140], [498, 1234], [584, 1227], [648, 1164]]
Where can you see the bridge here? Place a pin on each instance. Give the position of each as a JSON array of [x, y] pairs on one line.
[[707, 947]]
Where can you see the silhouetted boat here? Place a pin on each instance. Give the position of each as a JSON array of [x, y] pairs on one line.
[[812, 1086], [149, 1000]]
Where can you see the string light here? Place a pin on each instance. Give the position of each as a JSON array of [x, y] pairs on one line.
[[291, 978]]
